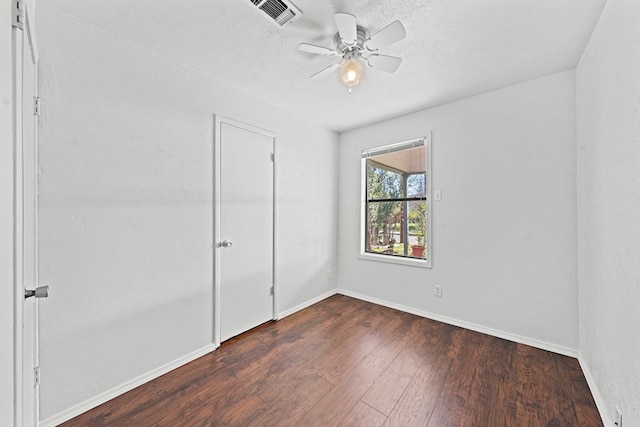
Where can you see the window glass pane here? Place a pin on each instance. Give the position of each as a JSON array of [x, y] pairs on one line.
[[382, 183], [384, 221], [417, 229], [417, 185], [385, 229]]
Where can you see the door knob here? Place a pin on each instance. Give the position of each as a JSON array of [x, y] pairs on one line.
[[39, 292], [226, 244]]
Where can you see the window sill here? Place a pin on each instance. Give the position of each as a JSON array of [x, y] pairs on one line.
[[423, 263]]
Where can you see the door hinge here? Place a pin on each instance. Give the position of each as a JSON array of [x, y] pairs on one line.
[[273, 157], [36, 105], [271, 290], [36, 375], [18, 14]]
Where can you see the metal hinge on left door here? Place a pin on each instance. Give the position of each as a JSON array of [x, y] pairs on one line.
[[18, 13], [36, 375], [36, 105]]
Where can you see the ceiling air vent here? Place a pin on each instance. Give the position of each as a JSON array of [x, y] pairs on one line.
[[281, 11]]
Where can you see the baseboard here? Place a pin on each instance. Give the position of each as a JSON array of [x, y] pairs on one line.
[[595, 392], [130, 385], [306, 304], [136, 382], [119, 390], [471, 326]]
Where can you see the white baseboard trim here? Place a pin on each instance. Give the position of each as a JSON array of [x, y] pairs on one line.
[[142, 379], [306, 304], [121, 389], [595, 392], [566, 351], [130, 385]]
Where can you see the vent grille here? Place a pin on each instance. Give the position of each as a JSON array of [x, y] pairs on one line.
[[282, 12]]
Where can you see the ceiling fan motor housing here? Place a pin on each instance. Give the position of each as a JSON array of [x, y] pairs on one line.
[[362, 36]]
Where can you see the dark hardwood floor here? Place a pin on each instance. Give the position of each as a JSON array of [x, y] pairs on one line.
[[351, 363]]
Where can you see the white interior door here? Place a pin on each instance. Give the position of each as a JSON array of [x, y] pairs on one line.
[[26, 193], [244, 224]]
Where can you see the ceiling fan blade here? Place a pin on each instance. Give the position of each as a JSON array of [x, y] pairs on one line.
[[384, 62], [347, 28], [392, 33], [324, 72], [311, 48]]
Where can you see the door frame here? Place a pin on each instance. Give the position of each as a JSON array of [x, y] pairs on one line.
[[217, 236], [22, 38]]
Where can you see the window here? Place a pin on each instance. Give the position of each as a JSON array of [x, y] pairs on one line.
[[396, 195]]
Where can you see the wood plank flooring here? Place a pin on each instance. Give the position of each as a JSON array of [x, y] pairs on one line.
[[345, 362]]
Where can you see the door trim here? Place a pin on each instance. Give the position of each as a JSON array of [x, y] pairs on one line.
[[22, 38], [18, 230], [218, 121]]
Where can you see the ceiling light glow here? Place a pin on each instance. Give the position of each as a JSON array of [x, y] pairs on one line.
[[351, 73]]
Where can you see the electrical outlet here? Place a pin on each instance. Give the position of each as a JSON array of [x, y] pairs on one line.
[[437, 290], [618, 420], [329, 275]]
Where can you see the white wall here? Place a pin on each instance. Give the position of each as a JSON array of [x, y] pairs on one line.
[[608, 117], [504, 234], [126, 208], [6, 220]]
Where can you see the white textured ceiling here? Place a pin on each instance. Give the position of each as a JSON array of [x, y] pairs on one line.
[[454, 48]]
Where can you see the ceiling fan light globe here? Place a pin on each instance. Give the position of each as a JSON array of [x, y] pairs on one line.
[[351, 72]]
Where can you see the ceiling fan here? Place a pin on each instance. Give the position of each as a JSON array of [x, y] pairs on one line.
[[355, 46]]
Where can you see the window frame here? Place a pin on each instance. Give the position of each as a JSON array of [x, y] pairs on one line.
[[403, 260]]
